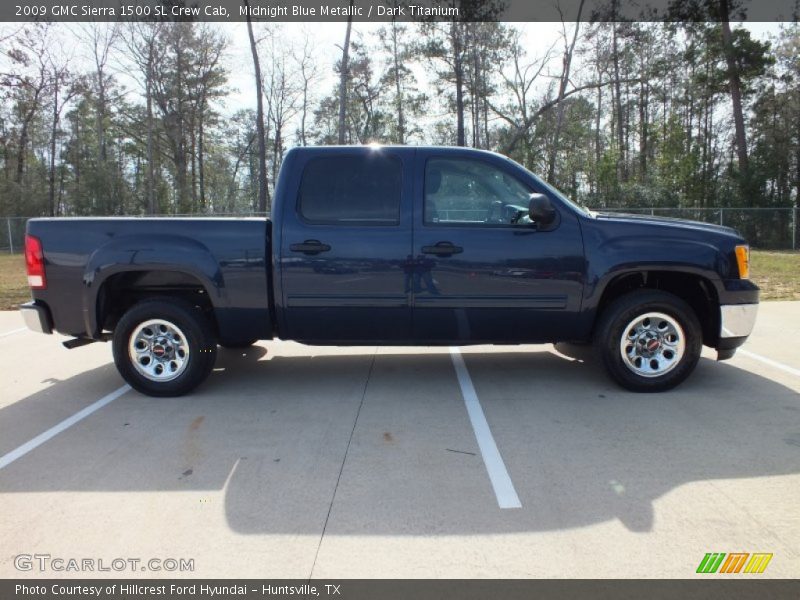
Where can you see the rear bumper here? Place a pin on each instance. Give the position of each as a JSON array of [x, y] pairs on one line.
[[37, 316]]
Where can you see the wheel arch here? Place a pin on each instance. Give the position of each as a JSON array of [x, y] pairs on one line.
[[696, 289], [129, 268], [123, 289]]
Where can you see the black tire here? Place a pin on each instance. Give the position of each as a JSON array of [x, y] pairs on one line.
[[238, 345], [666, 365], [193, 337]]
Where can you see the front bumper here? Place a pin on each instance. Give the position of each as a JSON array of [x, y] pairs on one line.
[[737, 320], [37, 316], [735, 325]]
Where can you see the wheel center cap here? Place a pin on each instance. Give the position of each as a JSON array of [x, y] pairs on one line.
[[648, 345], [162, 349]]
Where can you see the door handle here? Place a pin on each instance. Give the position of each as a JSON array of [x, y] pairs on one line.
[[442, 249], [310, 247]]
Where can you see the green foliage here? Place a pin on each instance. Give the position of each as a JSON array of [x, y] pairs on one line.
[[647, 116]]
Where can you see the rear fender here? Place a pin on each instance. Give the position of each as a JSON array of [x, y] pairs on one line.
[[149, 253]]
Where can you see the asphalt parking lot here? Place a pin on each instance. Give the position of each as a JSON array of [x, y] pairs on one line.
[[498, 462]]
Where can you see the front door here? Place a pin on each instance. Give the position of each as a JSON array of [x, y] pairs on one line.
[[482, 271]]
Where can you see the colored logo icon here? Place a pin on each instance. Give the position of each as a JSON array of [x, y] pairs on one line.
[[734, 562]]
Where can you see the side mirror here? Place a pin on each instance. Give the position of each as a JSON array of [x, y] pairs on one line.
[[541, 210]]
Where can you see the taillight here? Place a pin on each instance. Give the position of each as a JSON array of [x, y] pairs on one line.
[[34, 261]]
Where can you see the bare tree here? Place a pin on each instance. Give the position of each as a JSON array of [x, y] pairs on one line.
[[486, 51], [366, 120], [519, 82], [141, 40], [30, 78], [569, 49], [343, 75], [443, 44], [206, 86], [407, 102], [448, 42], [283, 93], [101, 39], [262, 142], [735, 85], [617, 93], [309, 73], [522, 128], [391, 42], [456, 42], [63, 87]]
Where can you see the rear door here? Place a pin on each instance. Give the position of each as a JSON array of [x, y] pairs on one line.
[[345, 241], [482, 272]]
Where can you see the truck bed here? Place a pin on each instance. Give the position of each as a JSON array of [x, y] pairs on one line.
[[107, 259]]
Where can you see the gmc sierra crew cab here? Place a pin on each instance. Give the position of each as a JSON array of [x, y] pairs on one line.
[[394, 246]]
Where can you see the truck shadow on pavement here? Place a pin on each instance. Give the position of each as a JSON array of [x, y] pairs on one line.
[[366, 443]]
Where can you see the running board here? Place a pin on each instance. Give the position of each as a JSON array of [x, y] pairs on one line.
[[84, 341]]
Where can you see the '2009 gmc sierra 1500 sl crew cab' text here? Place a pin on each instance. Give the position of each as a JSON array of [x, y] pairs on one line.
[[394, 246]]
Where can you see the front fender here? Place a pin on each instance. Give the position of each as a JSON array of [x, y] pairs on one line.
[[149, 253], [631, 254]]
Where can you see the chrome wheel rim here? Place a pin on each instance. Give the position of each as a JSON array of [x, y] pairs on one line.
[[158, 350], [652, 344]]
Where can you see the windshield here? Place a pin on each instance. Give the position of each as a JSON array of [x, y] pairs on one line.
[[579, 207]]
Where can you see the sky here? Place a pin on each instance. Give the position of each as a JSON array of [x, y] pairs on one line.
[[327, 37], [537, 37]]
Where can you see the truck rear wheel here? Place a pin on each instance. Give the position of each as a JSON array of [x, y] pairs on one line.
[[649, 340], [164, 347]]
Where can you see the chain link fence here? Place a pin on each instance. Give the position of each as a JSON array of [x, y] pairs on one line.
[[764, 228], [12, 236]]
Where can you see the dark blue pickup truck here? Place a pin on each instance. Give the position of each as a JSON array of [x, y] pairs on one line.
[[394, 246]]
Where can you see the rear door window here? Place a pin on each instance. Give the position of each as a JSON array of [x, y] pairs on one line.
[[363, 189]]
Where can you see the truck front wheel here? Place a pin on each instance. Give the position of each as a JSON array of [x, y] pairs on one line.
[[164, 347], [649, 340]]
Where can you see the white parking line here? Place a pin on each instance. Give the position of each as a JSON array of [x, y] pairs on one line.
[[498, 474], [13, 331], [770, 362], [40, 439]]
